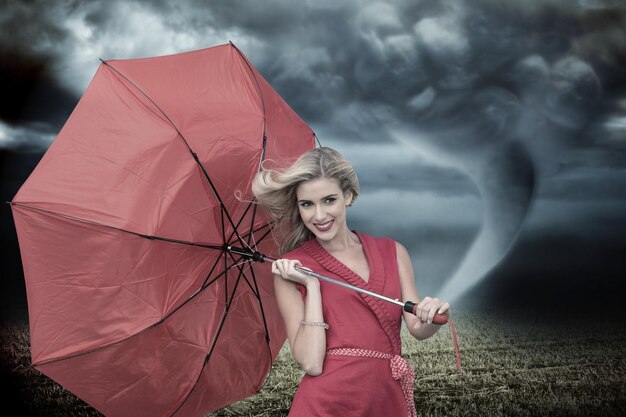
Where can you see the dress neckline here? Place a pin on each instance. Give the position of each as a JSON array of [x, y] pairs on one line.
[[343, 265], [375, 283], [329, 262]]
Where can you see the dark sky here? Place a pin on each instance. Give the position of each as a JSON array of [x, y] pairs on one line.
[[489, 135]]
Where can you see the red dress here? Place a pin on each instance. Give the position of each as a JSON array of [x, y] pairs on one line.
[[354, 385]]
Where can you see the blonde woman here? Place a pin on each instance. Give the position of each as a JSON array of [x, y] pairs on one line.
[[347, 343]]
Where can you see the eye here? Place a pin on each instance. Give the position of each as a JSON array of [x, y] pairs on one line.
[[329, 200], [305, 204]]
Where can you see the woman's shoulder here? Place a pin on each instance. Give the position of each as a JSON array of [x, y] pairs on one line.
[[298, 252], [383, 242]]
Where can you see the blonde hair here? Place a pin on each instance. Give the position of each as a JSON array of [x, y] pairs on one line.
[[276, 190]]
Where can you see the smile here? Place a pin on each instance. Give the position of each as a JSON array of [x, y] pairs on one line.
[[322, 227]]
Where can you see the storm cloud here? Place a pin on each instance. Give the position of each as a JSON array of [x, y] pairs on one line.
[[469, 116]]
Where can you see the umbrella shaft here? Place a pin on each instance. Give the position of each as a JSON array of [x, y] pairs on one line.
[[256, 256], [352, 287]]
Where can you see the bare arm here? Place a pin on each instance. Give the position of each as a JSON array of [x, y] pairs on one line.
[[419, 325], [307, 343]]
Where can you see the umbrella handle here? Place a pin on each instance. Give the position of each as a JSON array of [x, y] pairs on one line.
[[410, 307]]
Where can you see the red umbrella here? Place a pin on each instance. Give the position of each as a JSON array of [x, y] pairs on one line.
[[136, 304]]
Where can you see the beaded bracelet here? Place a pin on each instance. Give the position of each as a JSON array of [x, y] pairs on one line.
[[315, 323]]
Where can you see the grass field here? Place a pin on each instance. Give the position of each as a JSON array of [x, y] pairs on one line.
[[513, 365]]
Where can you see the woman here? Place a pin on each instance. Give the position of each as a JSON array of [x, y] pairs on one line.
[[347, 343]]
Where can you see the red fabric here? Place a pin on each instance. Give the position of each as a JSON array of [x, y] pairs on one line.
[[401, 370], [355, 386], [457, 353], [122, 167]]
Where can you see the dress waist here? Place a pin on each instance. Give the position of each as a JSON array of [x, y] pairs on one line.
[[401, 370]]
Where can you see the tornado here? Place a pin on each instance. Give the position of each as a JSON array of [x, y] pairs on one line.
[[506, 182], [477, 137]]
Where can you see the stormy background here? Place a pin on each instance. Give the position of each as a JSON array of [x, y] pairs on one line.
[[489, 136]]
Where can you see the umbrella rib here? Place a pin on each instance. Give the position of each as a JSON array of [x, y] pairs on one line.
[[258, 86], [251, 237], [256, 286], [206, 280], [252, 218], [225, 257], [256, 290], [219, 198], [239, 224], [151, 101], [317, 139], [159, 238], [213, 342], [193, 154], [151, 237], [244, 276], [258, 293], [223, 320], [263, 226], [207, 284], [195, 294], [269, 230]]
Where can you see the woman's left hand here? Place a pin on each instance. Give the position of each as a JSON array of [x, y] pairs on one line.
[[427, 308]]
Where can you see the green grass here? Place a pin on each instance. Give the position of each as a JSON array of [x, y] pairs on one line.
[[512, 365]]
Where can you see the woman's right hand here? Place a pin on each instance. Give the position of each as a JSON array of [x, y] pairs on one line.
[[286, 268]]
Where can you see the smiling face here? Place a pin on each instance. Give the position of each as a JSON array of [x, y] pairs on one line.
[[322, 206]]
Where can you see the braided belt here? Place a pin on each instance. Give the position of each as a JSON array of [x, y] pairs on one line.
[[401, 370]]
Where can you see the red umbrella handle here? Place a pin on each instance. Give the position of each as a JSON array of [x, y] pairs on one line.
[[410, 307]]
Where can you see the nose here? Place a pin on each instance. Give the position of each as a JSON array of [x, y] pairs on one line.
[[320, 213]]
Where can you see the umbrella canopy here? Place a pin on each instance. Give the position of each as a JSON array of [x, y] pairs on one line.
[[136, 304]]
